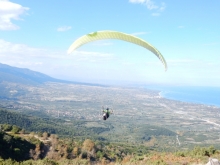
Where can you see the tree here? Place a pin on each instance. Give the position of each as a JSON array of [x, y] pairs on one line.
[[15, 129], [6, 127]]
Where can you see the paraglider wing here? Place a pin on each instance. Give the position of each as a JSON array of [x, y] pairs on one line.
[[99, 35]]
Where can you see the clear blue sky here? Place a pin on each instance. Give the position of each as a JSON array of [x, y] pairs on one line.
[[37, 34]]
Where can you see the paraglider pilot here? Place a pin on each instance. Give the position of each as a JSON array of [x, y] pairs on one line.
[[106, 113]]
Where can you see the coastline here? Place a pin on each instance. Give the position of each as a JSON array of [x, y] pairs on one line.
[[209, 98]]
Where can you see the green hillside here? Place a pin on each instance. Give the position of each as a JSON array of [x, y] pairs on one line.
[[14, 147], [20, 148], [50, 125], [78, 128]]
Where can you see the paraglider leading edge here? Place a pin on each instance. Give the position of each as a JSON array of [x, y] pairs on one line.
[[99, 35]]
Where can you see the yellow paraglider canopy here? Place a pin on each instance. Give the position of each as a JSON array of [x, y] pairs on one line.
[[100, 35]]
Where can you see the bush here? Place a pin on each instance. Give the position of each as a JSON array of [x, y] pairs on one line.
[[49, 162], [99, 155], [15, 129], [6, 127]]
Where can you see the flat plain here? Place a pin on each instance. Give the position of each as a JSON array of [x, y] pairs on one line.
[[139, 115]]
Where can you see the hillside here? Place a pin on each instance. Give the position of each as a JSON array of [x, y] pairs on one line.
[[24, 76], [80, 129], [43, 148], [50, 125]]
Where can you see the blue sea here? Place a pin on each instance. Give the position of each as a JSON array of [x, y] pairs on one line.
[[201, 95]]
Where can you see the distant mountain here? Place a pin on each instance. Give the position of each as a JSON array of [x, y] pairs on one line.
[[24, 76]]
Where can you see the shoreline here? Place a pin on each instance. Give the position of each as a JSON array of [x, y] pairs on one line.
[[162, 94]]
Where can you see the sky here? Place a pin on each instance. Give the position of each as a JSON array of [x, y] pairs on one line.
[[37, 34]]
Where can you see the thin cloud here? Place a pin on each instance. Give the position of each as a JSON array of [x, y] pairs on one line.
[[162, 7], [87, 56], [10, 50], [64, 28], [10, 11], [24, 56], [151, 6], [137, 1]]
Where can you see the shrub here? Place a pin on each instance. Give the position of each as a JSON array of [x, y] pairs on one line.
[[15, 129]]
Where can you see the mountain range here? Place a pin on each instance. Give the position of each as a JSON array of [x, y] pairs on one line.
[[24, 76]]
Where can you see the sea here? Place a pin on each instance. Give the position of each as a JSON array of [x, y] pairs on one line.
[[201, 95]]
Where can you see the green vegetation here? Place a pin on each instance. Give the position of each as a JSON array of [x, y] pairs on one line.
[[80, 129], [199, 152], [50, 125], [14, 147], [20, 147], [140, 114], [56, 123], [40, 149]]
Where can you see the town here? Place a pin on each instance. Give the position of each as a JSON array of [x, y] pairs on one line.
[[133, 108]]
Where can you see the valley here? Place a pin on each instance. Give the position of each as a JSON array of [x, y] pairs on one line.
[[140, 115]]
